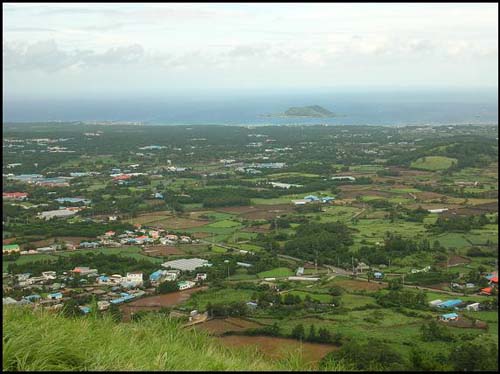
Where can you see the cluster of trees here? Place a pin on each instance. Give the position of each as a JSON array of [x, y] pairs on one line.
[[167, 287], [322, 335], [459, 223], [234, 309], [110, 264], [434, 331], [324, 241], [406, 298], [55, 227]]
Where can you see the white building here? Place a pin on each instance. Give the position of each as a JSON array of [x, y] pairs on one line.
[[136, 278], [188, 264], [473, 307]]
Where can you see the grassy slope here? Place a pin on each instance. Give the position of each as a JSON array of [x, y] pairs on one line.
[[43, 341]]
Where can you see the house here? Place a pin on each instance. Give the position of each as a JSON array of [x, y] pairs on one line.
[[449, 317], [49, 275], [115, 278], [327, 199], [103, 305], [201, 276], [378, 275], [103, 279], [135, 278], [184, 285], [300, 202], [158, 195], [157, 276], [494, 280], [85, 309], [51, 248], [435, 302], [84, 270], [10, 248], [14, 195], [300, 271], [32, 298], [244, 264], [311, 198], [185, 239], [8, 301], [89, 244], [450, 303], [109, 233], [252, 305], [362, 267], [486, 291], [473, 307], [55, 296], [23, 277], [172, 275]]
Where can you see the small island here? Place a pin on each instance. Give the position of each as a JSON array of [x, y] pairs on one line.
[[312, 111]]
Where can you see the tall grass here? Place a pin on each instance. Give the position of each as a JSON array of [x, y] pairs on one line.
[[43, 341]]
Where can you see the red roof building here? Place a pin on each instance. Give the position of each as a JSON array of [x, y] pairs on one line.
[[486, 291], [494, 280], [122, 177], [14, 195]]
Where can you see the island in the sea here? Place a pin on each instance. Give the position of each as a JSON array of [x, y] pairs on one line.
[[311, 111]]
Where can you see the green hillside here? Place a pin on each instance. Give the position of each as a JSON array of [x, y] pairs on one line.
[[43, 341]]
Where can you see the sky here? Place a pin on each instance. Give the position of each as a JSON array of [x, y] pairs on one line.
[[96, 50]]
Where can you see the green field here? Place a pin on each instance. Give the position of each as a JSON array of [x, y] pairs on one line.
[[277, 272], [433, 163]]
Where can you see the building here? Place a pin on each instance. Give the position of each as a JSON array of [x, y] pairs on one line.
[[300, 202], [49, 275], [435, 302], [83, 270], [201, 276], [378, 275], [299, 279], [189, 264], [362, 267], [184, 285], [135, 278], [244, 264], [343, 178], [60, 213], [486, 291], [284, 185], [8, 301], [449, 317], [55, 296], [10, 248], [300, 271], [442, 210], [157, 277], [473, 307], [74, 200], [14, 195], [327, 199], [450, 303], [252, 305], [311, 198]]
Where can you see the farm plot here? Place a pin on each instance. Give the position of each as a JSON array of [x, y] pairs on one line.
[[433, 163], [277, 272]]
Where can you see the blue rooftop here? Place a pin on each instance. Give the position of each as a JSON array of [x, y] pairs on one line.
[[450, 303], [311, 197], [450, 315]]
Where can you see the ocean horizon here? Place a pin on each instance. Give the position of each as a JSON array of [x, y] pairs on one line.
[[432, 107]]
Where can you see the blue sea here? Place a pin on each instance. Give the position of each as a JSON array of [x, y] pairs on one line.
[[403, 107]]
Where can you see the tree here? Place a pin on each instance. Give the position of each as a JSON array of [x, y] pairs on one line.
[[324, 335], [475, 355], [167, 287], [312, 333], [298, 332]]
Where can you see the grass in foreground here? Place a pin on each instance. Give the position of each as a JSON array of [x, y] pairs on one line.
[[43, 341]]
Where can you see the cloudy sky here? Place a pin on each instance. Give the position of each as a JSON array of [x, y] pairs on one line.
[[61, 50]]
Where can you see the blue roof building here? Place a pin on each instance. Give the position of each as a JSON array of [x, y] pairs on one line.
[[55, 296], [157, 275], [311, 198], [449, 316], [450, 303], [158, 195], [32, 297], [327, 199], [85, 309]]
